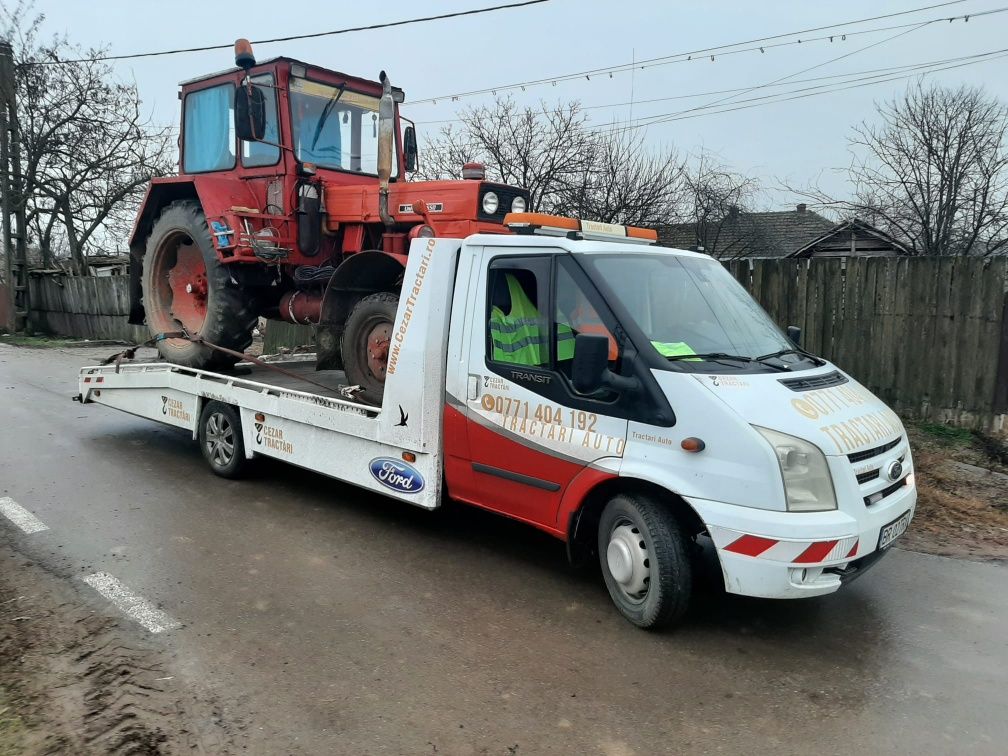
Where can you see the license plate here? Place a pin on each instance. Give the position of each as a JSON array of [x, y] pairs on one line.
[[893, 530]]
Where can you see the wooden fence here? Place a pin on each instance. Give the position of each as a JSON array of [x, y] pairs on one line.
[[85, 308], [928, 335]]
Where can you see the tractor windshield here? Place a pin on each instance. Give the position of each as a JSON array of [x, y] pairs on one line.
[[334, 127]]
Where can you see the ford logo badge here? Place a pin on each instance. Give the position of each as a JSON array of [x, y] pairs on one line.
[[895, 470], [397, 475]]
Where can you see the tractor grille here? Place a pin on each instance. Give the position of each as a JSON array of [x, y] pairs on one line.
[[505, 195], [815, 382]]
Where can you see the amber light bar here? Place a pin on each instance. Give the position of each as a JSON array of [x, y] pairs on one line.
[[558, 225]]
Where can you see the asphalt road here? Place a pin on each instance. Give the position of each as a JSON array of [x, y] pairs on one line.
[[333, 621]]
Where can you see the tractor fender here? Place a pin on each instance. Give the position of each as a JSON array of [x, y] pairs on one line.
[[360, 274], [216, 195]]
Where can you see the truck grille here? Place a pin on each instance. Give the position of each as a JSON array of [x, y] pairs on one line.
[[875, 498], [815, 382], [861, 456], [867, 476]]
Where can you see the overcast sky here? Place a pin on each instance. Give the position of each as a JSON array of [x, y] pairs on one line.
[[797, 142]]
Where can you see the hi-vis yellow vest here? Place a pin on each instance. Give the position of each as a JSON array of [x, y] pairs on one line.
[[518, 337]]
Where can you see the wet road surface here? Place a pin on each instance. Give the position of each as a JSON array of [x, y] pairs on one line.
[[330, 620]]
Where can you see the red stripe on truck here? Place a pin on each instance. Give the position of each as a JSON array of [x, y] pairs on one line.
[[816, 552], [751, 545]]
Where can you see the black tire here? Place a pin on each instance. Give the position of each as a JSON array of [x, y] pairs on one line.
[[230, 314], [658, 545], [221, 440], [363, 368]]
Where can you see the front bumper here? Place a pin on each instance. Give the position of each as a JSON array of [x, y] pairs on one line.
[[773, 554]]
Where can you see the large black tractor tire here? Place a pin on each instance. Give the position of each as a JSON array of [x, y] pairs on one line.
[[367, 342], [645, 560], [186, 288]]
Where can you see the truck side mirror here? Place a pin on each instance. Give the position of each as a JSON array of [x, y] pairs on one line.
[[794, 333], [591, 362], [250, 113], [410, 151]]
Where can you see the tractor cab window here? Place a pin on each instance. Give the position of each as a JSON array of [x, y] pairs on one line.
[[264, 153], [209, 131], [334, 127]]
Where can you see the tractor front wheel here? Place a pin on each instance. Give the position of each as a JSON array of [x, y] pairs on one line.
[[187, 289], [366, 344]]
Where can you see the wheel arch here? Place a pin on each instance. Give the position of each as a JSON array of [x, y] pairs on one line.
[[360, 274], [159, 195], [582, 520]]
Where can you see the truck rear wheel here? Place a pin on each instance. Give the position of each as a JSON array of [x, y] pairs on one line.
[[645, 561], [221, 441], [367, 339], [186, 288]]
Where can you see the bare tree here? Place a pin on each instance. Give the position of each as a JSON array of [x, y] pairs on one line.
[[87, 149], [715, 204], [567, 166], [932, 171]]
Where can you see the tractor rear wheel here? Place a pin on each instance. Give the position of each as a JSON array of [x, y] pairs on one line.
[[367, 338], [186, 288]]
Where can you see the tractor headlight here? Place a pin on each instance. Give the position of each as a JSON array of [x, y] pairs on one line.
[[519, 205], [808, 486], [490, 203]]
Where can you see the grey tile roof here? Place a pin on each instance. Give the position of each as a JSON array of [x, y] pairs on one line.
[[770, 234]]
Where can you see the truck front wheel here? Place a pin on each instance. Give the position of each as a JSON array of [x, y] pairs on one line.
[[645, 561], [367, 342]]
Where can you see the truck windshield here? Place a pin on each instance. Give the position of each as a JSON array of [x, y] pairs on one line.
[[690, 305], [334, 127]]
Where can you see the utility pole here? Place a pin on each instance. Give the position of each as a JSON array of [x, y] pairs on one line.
[[12, 204]]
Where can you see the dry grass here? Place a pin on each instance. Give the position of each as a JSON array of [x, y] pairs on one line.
[[961, 511]]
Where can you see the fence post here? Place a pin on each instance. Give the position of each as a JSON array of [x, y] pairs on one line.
[[1000, 404]]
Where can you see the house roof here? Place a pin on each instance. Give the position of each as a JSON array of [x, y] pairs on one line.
[[769, 234], [877, 239]]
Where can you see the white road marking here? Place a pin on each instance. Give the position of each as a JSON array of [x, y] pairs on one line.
[[132, 605], [20, 516]]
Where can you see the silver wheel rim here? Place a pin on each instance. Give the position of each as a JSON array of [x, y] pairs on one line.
[[628, 561], [220, 439]]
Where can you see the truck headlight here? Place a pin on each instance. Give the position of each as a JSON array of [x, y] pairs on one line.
[[519, 205], [808, 486], [490, 203]]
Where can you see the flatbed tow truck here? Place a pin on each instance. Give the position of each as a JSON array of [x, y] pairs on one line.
[[631, 400]]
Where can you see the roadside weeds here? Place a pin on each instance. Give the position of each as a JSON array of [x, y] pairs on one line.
[[962, 486]]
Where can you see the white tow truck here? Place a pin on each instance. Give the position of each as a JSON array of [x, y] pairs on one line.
[[629, 399]]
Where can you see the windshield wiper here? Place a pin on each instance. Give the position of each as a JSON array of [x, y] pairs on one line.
[[790, 350], [325, 114], [718, 356]]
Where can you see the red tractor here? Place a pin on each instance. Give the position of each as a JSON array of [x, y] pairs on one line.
[[292, 203]]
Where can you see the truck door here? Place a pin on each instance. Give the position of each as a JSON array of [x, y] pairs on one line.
[[529, 432]]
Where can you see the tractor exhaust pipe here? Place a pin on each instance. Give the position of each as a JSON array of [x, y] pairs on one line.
[[386, 123]]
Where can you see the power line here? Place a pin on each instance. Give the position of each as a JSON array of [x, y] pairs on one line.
[[690, 55], [866, 74], [824, 89], [728, 98], [369, 27]]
